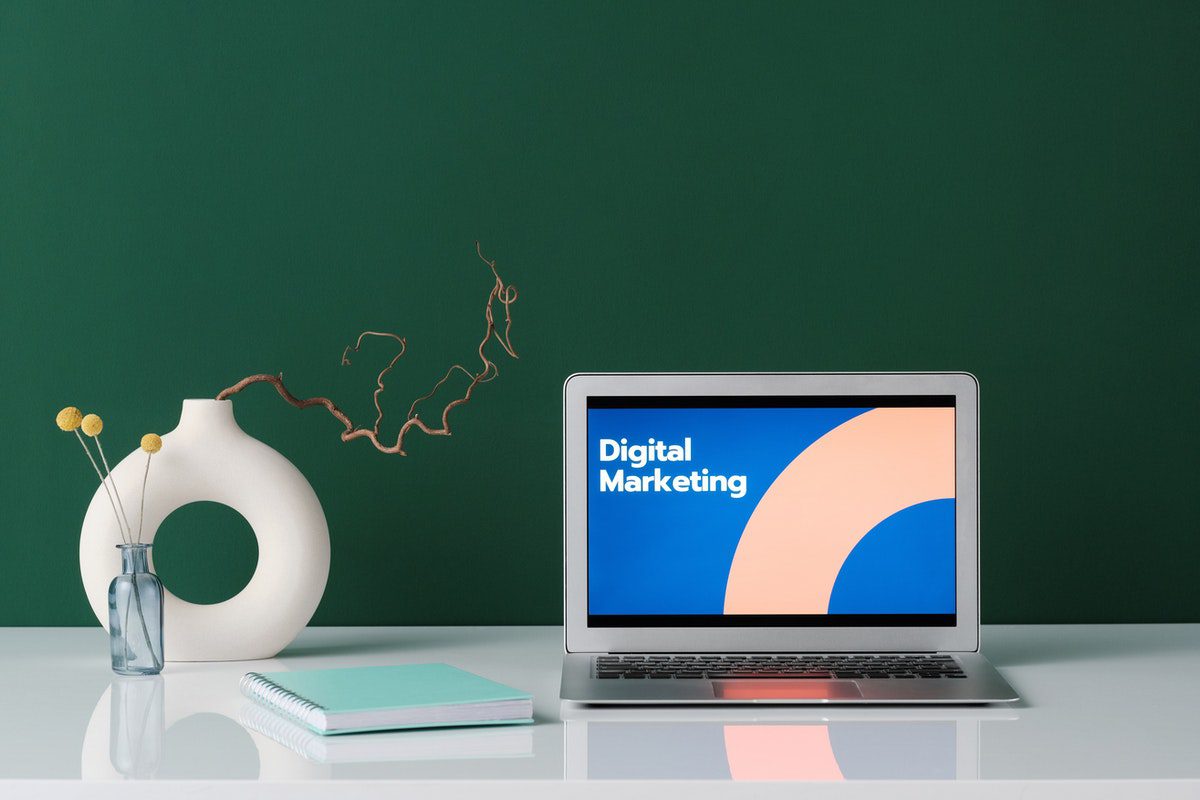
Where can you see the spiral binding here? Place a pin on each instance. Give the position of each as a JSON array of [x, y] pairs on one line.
[[279, 730], [259, 687]]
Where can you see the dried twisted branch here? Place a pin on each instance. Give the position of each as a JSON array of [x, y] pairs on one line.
[[379, 378], [506, 295]]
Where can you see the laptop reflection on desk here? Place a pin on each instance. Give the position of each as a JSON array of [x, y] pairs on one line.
[[831, 745]]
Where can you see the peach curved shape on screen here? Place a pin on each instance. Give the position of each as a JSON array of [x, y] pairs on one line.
[[829, 497], [781, 753]]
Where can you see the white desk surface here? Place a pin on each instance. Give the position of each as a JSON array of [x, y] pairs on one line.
[[1108, 710]]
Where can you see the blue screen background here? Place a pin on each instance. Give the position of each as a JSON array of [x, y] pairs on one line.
[[670, 553]]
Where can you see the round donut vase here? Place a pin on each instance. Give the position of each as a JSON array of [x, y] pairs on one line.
[[208, 457]]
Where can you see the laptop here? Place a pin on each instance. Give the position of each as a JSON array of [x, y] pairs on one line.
[[773, 538]]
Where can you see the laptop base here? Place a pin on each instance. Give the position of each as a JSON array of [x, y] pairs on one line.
[[982, 684]]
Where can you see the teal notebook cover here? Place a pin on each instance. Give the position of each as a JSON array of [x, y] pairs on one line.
[[359, 690]]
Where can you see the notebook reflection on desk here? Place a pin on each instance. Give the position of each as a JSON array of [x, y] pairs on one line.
[[431, 745]]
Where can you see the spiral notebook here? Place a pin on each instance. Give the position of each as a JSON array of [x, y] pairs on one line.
[[360, 699]]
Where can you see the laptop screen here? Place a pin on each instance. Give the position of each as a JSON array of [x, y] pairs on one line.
[[771, 511]]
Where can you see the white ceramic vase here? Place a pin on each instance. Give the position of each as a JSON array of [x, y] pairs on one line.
[[208, 457]]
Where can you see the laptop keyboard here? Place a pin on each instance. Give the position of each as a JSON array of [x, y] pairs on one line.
[[679, 667]]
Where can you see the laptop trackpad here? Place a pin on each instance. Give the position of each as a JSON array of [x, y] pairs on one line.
[[784, 689]]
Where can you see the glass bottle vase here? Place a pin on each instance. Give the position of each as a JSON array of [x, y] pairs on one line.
[[135, 619]]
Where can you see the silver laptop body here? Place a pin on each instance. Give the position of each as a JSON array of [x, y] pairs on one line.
[[772, 538]]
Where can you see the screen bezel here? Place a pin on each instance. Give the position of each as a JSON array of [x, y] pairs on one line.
[[963, 636]]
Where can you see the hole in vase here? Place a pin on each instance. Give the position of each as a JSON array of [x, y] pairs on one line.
[[205, 552]]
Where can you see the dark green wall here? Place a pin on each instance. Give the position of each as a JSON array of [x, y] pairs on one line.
[[192, 192]]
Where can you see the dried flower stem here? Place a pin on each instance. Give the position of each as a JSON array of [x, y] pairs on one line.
[[103, 483], [137, 596], [145, 480], [108, 472], [506, 295]]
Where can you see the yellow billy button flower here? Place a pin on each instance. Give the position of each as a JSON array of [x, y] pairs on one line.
[[92, 425], [69, 418], [152, 443]]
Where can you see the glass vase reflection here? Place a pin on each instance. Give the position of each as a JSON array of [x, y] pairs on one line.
[[136, 726], [135, 615]]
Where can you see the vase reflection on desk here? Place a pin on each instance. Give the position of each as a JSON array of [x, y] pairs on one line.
[[136, 727], [135, 618]]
